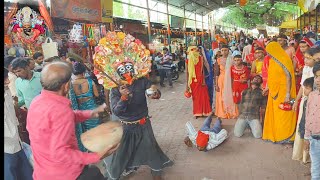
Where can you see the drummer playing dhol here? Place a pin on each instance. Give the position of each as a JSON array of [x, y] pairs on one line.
[[51, 126]]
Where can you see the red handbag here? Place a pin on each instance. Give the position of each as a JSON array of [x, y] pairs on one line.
[[187, 94], [286, 106]]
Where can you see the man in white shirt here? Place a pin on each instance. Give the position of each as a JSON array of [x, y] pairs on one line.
[[206, 138], [247, 50], [16, 164], [12, 77]]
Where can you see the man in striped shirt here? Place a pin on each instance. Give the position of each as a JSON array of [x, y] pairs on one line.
[[206, 138]]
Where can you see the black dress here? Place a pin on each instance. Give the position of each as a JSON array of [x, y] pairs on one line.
[[138, 145]]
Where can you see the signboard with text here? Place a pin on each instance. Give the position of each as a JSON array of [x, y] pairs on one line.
[[176, 22], [107, 11], [77, 9]]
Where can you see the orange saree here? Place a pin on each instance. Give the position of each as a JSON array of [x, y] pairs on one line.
[[221, 111]]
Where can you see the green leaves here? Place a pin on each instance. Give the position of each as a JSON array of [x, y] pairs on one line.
[[256, 12]]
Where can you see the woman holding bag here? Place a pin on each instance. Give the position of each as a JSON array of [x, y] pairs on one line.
[[196, 85]]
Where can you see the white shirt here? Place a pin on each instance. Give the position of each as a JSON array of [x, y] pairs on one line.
[[307, 72], [214, 139], [12, 85], [11, 134], [246, 51]]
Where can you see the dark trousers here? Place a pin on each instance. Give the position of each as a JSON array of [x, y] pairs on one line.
[[181, 64], [210, 91], [22, 118], [17, 166], [91, 173], [165, 73]]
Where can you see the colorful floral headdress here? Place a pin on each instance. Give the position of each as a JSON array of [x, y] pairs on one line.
[[118, 48]]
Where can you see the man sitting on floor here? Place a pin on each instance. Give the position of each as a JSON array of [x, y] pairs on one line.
[[207, 138], [251, 104]]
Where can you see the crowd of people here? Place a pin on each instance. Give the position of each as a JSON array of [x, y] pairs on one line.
[[265, 86], [50, 103], [271, 85]]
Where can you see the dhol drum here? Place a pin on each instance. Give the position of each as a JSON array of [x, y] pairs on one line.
[[98, 139]]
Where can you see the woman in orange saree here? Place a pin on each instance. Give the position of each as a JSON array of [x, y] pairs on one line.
[[279, 125], [196, 82], [225, 107]]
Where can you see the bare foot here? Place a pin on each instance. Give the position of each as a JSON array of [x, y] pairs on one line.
[[213, 115], [307, 174], [288, 146]]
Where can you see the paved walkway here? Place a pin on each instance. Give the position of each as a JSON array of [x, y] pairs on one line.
[[243, 158]]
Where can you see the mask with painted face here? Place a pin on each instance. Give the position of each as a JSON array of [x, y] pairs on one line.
[[126, 71], [123, 58]]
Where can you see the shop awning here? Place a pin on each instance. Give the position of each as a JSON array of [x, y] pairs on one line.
[[289, 25]]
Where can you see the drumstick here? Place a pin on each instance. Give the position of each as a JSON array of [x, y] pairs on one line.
[[79, 58]]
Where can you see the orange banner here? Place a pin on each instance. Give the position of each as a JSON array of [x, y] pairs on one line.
[[77, 9]]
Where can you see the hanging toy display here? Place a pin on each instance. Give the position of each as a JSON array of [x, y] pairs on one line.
[[91, 39], [103, 30], [27, 27], [121, 57], [75, 36], [85, 42], [96, 33]]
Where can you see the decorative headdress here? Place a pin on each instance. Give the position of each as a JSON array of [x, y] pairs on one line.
[[119, 53], [27, 18]]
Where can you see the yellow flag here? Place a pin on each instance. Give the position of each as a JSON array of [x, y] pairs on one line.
[[301, 4]]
